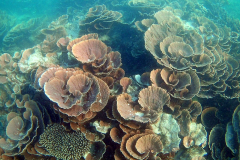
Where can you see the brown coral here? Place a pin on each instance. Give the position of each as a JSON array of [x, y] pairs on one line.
[[62, 43], [183, 48], [75, 92], [141, 145], [144, 24], [24, 127], [97, 58], [153, 98], [182, 85], [125, 82], [83, 38], [89, 50], [151, 102], [64, 145]]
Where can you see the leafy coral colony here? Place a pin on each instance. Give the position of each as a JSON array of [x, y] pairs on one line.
[[74, 97]]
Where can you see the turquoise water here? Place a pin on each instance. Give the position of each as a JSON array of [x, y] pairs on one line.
[[232, 8], [119, 79]]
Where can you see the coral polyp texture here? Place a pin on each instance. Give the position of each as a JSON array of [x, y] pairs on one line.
[[67, 91], [67, 145]]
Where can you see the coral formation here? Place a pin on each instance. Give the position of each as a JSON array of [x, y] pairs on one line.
[[63, 97], [64, 145], [24, 126], [99, 19], [185, 49], [74, 91], [22, 36]]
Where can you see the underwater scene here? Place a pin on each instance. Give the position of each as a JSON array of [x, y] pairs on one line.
[[119, 80]]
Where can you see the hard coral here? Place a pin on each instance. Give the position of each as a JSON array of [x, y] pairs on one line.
[[89, 50], [141, 145], [96, 56], [68, 145], [199, 52], [24, 127], [150, 104], [74, 91], [22, 35], [168, 129], [64, 145], [182, 85], [99, 19]]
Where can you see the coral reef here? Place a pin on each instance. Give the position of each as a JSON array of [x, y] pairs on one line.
[[184, 49], [22, 35], [99, 19], [7, 21], [25, 123], [71, 145], [68, 95], [74, 91]]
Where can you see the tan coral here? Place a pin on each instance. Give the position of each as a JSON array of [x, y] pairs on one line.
[[83, 38], [97, 58], [53, 34], [125, 82], [144, 24], [146, 4], [89, 50], [62, 43], [165, 15], [153, 98], [183, 48], [132, 145], [24, 126], [74, 91], [151, 102], [182, 85]]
